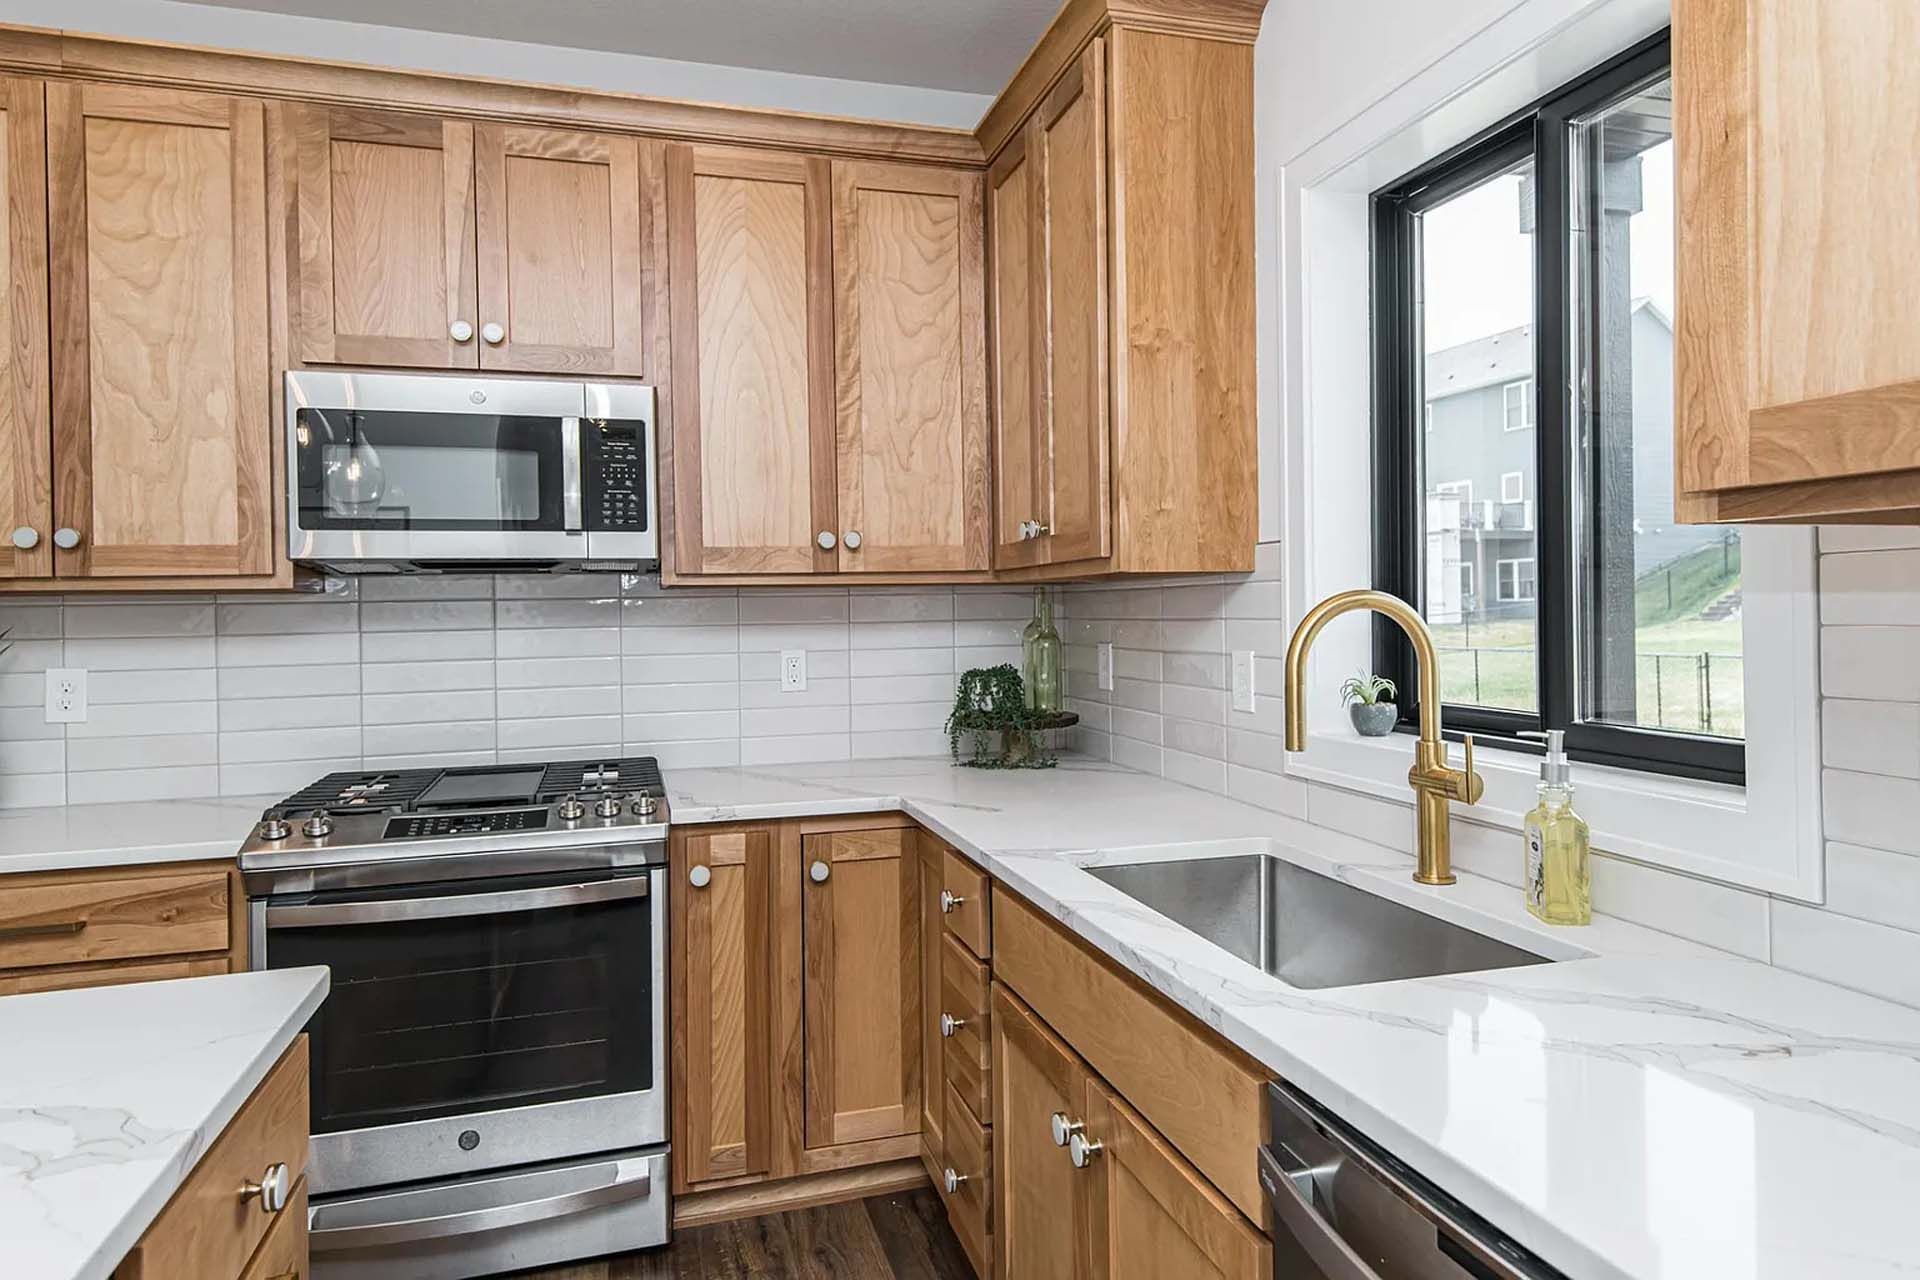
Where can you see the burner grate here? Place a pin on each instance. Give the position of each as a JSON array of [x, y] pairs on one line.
[[635, 773], [393, 789]]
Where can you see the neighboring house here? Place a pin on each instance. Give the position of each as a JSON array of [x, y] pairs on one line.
[[1481, 522]]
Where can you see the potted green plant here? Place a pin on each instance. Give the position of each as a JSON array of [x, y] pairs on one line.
[[990, 710], [1370, 704]]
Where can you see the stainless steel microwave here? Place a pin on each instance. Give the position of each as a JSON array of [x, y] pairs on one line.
[[424, 473]]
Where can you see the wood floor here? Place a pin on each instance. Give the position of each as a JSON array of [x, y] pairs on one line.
[[896, 1237]]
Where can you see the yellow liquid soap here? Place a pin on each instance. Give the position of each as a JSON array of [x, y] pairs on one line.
[[1559, 871]]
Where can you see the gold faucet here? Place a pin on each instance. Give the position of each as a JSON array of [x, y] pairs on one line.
[[1435, 783]]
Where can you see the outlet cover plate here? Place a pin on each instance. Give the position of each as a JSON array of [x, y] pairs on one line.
[[66, 695], [793, 670], [1106, 664], [1243, 680]]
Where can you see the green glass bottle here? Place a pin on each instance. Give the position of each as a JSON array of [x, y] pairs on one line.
[[1040, 645]]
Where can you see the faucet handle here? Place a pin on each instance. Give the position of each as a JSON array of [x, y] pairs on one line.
[[1471, 786]]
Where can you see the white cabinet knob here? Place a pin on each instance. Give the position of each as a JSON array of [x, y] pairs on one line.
[[26, 539], [950, 901], [819, 872], [700, 877], [272, 1189], [852, 539], [1064, 1128], [66, 539], [1082, 1149], [950, 1024], [952, 1179], [493, 334], [826, 541], [460, 331]]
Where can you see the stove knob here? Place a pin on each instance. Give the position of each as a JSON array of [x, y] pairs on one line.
[[607, 806], [571, 809], [275, 828], [319, 825], [645, 807]]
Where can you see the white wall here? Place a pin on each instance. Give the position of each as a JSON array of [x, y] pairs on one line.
[[501, 59]]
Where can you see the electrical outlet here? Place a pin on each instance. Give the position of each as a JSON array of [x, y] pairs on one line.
[[1243, 680], [793, 670], [66, 695], [1106, 664]]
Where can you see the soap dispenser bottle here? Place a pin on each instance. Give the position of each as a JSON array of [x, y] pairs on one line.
[[1559, 881]]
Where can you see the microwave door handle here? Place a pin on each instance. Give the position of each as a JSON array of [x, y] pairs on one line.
[[396, 910], [570, 491]]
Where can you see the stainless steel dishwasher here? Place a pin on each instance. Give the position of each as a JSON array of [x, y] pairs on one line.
[[1343, 1209]]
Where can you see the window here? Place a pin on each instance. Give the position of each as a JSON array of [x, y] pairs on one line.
[[1466, 581], [1461, 489], [1541, 256], [1516, 403]]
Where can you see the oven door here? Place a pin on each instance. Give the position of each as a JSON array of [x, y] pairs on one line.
[[480, 1024], [412, 467]]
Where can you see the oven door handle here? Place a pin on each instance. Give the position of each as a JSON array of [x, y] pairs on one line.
[[572, 479], [627, 1180], [392, 910]]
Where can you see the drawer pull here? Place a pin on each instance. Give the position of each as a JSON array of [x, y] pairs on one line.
[[949, 1025], [1082, 1150], [953, 1178], [950, 902], [272, 1189], [1063, 1128], [54, 929], [819, 872]]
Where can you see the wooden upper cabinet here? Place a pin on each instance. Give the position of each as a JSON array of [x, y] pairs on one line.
[[723, 979], [750, 243], [1013, 250], [562, 226], [861, 930], [911, 367], [1797, 360], [26, 442], [386, 249], [1070, 151], [161, 408]]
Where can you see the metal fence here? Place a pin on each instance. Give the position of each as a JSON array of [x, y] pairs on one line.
[[1690, 692]]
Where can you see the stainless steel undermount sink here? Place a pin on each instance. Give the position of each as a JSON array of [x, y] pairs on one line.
[[1302, 927]]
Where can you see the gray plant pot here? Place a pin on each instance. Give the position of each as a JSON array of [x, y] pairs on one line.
[[1374, 721]]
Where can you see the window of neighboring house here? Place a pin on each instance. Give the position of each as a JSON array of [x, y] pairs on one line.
[[1546, 247], [1466, 580], [1461, 489], [1516, 403]]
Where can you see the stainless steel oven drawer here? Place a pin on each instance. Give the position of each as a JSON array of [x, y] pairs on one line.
[[495, 1223]]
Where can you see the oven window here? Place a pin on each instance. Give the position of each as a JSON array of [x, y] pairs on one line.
[[389, 469], [439, 1017]]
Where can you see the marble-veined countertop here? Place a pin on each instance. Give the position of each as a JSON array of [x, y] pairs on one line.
[[126, 834], [109, 1096], [1647, 1107]]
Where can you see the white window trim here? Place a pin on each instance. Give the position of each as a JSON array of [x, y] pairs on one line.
[[1764, 836], [1466, 578], [1461, 489], [1525, 387], [1519, 479], [1500, 585]]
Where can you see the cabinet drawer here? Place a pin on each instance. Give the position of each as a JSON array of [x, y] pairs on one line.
[[966, 1046], [208, 1231], [73, 921], [108, 975], [1206, 1097], [965, 903], [283, 1254], [969, 1147]]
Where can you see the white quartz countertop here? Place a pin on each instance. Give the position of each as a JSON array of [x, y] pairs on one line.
[[1646, 1108], [125, 835], [109, 1096]]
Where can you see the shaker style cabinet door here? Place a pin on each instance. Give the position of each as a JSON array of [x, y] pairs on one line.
[[26, 443], [910, 332], [722, 885], [1041, 1203], [562, 232], [385, 271], [931, 862], [750, 249], [1014, 252], [1797, 353], [860, 938], [161, 446]]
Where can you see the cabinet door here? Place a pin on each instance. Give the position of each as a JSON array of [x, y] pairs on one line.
[[1797, 357], [723, 975], [750, 245], [161, 410], [26, 444], [1070, 145], [932, 1105], [910, 330], [861, 937], [386, 248], [1153, 1214], [1041, 1205], [1014, 255], [562, 282]]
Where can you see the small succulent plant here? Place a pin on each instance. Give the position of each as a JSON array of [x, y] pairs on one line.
[[1368, 690]]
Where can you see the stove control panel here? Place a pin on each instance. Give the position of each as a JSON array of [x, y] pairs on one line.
[[487, 822]]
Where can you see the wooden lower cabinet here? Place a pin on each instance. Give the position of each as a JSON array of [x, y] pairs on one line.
[[932, 1101], [97, 927], [1041, 1217]]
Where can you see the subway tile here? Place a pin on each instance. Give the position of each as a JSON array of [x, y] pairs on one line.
[[278, 619], [803, 749], [1870, 662], [540, 673], [428, 646], [679, 726], [143, 752], [426, 708], [124, 621], [877, 717], [558, 642], [903, 606], [1132, 754], [278, 777], [968, 657], [1871, 737], [1017, 606], [1853, 953], [676, 611], [438, 758], [1129, 664], [1877, 588], [1257, 600], [1209, 773], [448, 586], [903, 635], [32, 790], [241, 714], [289, 681], [1871, 810], [108, 786], [822, 664], [33, 656], [586, 700], [898, 742], [144, 654], [339, 742], [23, 621], [675, 639], [900, 662], [144, 719], [27, 724], [48, 755], [1141, 695], [877, 689], [384, 741], [1195, 738], [427, 615], [1873, 884], [1190, 702], [793, 609], [560, 731], [278, 651], [556, 586], [1271, 791], [679, 667], [818, 693], [511, 615], [1867, 537], [1141, 726], [560, 751], [721, 695], [770, 722], [425, 677], [28, 688], [1206, 670], [1204, 600], [811, 636], [715, 753], [107, 687], [988, 633], [1720, 916]]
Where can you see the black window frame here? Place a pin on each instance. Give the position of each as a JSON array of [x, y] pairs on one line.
[[1542, 133]]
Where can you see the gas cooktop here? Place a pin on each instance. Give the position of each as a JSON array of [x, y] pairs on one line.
[[480, 787]]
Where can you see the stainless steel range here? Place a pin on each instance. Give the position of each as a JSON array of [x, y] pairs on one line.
[[489, 1074]]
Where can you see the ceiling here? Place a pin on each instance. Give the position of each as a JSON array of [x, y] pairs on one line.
[[972, 46]]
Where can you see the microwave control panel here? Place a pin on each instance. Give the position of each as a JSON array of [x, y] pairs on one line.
[[615, 484]]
